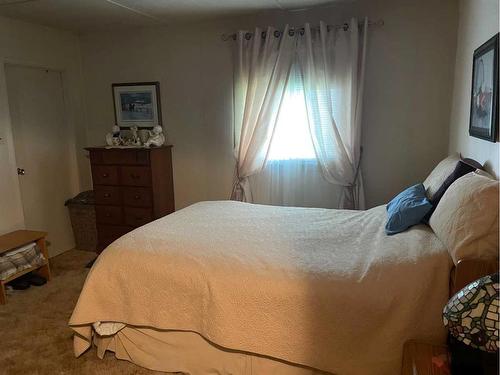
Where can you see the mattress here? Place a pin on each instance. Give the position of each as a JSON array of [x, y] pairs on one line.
[[326, 289]]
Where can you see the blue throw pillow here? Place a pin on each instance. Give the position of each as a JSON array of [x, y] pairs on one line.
[[408, 208]]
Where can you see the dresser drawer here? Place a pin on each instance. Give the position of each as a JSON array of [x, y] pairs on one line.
[[109, 214], [104, 175], [135, 176], [109, 195], [137, 216], [120, 156], [137, 197]]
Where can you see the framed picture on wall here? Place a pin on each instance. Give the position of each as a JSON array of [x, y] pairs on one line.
[[137, 104], [484, 96]]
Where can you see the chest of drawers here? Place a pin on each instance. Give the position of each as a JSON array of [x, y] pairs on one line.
[[132, 187]]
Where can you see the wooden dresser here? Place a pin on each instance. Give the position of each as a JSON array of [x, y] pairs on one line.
[[132, 186]]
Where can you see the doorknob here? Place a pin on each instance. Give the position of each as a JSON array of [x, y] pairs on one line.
[[21, 171]]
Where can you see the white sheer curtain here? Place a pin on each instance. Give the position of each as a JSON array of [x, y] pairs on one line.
[[292, 176], [303, 127], [263, 63], [332, 64], [294, 182]]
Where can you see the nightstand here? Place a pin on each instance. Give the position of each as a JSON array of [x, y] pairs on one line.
[[420, 358]]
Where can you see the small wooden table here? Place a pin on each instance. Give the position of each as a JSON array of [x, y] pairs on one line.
[[420, 358], [13, 240]]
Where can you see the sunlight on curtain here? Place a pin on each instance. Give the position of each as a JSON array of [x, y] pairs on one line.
[[262, 65], [332, 65], [294, 182], [292, 176], [292, 139]]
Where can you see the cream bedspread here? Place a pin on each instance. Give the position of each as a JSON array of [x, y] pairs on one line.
[[322, 288]]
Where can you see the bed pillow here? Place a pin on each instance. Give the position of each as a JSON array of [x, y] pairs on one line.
[[466, 219], [406, 209], [439, 174], [462, 167], [482, 172]]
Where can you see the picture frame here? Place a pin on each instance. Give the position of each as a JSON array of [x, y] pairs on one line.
[[483, 121], [137, 104]]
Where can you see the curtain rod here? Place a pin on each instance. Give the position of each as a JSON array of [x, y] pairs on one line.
[[344, 26]]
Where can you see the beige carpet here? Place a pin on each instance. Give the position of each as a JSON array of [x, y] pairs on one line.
[[34, 333]]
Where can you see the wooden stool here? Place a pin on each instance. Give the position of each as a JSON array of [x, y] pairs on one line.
[[13, 240]]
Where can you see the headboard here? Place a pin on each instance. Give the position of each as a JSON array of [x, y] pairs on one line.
[[466, 271]]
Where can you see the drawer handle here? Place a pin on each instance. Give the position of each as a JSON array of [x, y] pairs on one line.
[[135, 176], [107, 195], [105, 175], [137, 197], [107, 214]]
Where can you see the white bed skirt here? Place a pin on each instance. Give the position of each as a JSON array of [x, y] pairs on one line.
[[189, 353]]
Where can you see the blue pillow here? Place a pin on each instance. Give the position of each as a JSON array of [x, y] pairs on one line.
[[406, 209]]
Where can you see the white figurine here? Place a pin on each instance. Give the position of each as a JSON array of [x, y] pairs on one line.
[[114, 138], [135, 140], [156, 137]]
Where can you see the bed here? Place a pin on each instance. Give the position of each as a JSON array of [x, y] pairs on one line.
[[284, 283], [235, 288]]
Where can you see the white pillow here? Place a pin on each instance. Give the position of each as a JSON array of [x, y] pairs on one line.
[[466, 218], [484, 174], [439, 174]]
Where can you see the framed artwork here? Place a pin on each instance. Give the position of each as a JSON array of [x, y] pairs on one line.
[[484, 96], [137, 104]]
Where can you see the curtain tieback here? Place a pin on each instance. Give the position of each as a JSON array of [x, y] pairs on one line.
[[238, 183], [238, 192], [354, 183]]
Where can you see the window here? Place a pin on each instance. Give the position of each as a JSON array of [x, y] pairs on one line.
[[292, 140]]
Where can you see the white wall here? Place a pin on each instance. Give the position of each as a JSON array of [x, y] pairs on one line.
[[410, 66], [28, 44], [194, 68], [407, 100], [409, 79], [478, 22]]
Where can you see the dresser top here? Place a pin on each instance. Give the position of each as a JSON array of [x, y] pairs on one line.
[[106, 148]]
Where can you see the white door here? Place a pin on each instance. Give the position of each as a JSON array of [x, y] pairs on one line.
[[42, 146]]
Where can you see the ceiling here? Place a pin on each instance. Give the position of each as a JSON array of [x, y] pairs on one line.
[[92, 15]]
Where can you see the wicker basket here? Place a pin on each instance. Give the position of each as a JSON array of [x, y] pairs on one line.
[[82, 215]]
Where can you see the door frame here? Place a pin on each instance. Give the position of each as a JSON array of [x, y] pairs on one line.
[[18, 221]]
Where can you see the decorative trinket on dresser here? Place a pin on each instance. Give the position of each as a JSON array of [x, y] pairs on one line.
[[147, 138], [156, 137], [134, 139], [114, 138]]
